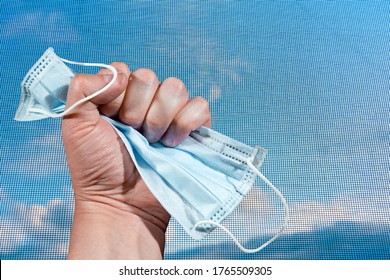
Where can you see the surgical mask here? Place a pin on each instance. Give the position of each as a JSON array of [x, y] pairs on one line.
[[199, 182]]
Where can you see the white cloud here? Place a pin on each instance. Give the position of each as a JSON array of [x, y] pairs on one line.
[[3, 195], [36, 214], [52, 27], [311, 215], [215, 93], [11, 236], [61, 248], [45, 156], [29, 225]]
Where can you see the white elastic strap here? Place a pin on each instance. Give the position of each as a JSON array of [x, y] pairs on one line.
[[279, 233], [89, 97]]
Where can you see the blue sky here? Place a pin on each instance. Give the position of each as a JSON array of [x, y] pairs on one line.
[[306, 80]]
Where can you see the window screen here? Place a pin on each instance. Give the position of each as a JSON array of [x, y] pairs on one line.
[[307, 80]]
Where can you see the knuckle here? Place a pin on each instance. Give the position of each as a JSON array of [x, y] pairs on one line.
[[174, 82], [202, 104], [121, 67], [77, 83], [145, 75], [176, 86]]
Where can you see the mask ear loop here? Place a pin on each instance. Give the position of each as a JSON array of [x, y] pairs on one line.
[[279, 233], [89, 97]]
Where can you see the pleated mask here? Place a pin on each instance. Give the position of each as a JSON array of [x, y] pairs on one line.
[[199, 182]]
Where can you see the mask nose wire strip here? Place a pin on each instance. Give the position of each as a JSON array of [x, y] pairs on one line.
[[279, 233], [89, 97]]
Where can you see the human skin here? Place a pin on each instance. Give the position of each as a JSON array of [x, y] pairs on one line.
[[116, 216]]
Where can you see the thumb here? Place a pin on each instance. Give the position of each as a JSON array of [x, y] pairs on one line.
[[84, 85]]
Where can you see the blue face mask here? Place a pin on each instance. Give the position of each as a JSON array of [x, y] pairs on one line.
[[199, 182]]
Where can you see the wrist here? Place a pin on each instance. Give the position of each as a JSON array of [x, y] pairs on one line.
[[103, 231]]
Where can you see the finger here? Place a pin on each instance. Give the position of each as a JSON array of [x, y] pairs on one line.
[[83, 85], [112, 109], [170, 98], [193, 115], [142, 86]]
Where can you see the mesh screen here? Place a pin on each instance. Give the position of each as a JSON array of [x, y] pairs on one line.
[[306, 80]]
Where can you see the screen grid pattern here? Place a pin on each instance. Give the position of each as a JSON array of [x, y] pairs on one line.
[[306, 80]]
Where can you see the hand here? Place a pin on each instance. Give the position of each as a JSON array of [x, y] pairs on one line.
[[116, 216]]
